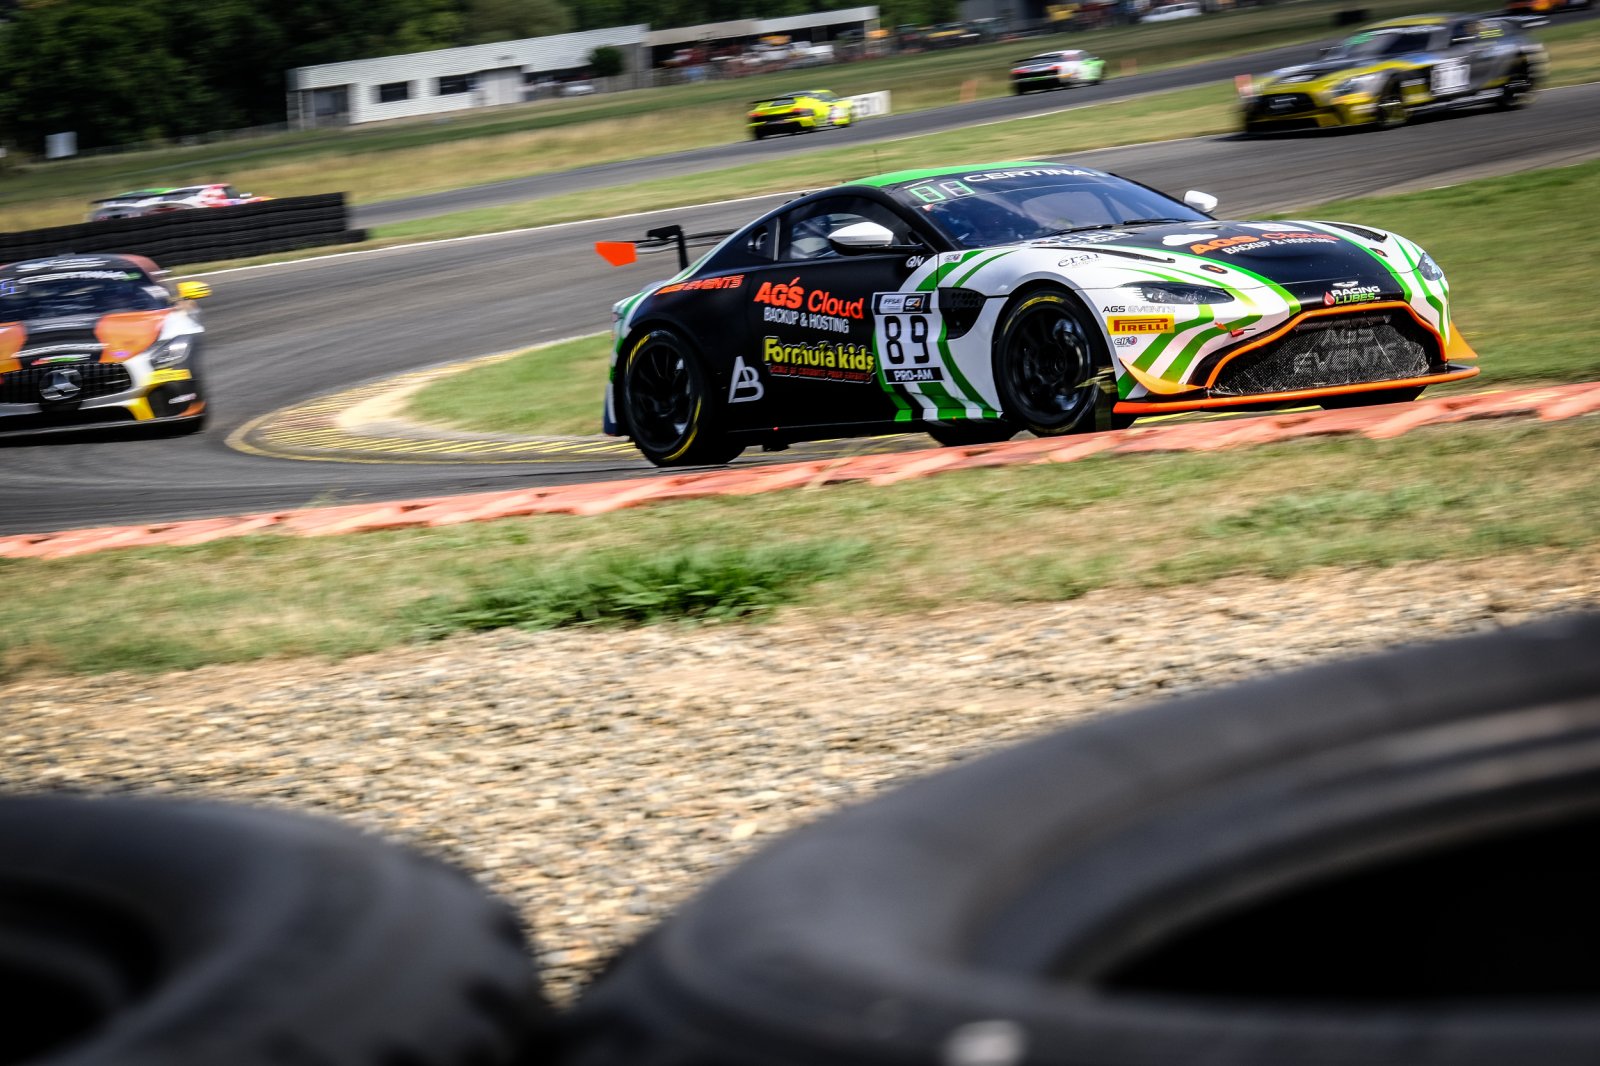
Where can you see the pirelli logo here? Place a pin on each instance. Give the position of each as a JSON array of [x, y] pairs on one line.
[[1141, 323]]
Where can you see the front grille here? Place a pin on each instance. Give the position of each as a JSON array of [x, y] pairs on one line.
[[97, 379], [1283, 104], [1330, 351]]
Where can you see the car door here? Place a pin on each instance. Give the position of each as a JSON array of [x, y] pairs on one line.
[[809, 319], [1450, 77]]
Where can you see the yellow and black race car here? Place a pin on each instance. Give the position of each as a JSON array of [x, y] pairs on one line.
[[801, 112], [1392, 70]]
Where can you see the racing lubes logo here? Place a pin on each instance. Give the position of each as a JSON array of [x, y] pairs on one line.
[[1349, 292], [746, 385]]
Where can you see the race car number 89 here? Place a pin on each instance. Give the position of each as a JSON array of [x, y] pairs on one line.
[[901, 331]]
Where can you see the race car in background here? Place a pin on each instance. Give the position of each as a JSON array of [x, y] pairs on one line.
[[800, 112], [98, 340], [1392, 70], [157, 201], [972, 303], [1057, 70]]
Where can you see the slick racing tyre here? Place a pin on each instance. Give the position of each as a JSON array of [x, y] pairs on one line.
[[158, 933], [1387, 862], [673, 414], [1047, 363]]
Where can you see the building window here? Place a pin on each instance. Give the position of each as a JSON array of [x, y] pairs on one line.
[[393, 92], [451, 84]]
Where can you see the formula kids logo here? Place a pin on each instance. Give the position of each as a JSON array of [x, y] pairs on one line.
[[817, 301], [820, 361]]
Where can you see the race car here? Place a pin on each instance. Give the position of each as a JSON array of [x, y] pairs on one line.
[[98, 340], [1539, 8], [1392, 70], [801, 112], [157, 201], [1057, 70], [975, 302]]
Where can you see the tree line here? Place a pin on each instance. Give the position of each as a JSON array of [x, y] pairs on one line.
[[123, 71]]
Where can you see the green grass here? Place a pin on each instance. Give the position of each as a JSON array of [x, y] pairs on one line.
[[1505, 291], [434, 153], [993, 536]]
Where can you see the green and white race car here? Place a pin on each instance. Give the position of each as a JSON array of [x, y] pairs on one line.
[[1057, 70], [973, 303], [802, 112]]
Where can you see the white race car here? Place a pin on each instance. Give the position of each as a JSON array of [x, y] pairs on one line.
[[975, 302]]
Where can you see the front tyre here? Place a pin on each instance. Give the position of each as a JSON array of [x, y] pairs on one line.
[[1046, 362], [673, 415]]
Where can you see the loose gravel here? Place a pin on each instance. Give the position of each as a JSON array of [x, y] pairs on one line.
[[596, 777]]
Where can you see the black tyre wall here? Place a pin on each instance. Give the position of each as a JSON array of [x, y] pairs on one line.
[[175, 934], [1033, 906]]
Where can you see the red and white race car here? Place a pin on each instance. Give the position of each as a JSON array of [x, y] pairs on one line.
[[156, 201]]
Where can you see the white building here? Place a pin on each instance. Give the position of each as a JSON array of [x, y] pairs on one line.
[[450, 79]]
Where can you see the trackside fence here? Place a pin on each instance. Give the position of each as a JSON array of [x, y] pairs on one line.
[[198, 235]]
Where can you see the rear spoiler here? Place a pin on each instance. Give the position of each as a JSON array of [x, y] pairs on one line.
[[622, 253]]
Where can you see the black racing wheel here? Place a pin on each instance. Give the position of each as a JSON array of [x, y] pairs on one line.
[[673, 414], [1047, 364]]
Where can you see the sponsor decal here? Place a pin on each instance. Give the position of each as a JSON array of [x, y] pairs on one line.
[[1213, 268], [1141, 324], [914, 261], [817, 301], [914, 375], [1136, 309], [161, 377], [901, 303], [1036, 172], [63, 264], [187, 397], [746, 385], [1092, 238], [1251, 242], [1074, 260], [1172, 240], [1125, 341], [1351, 293], [732, 281], [820, 360], [49, 360], [8, 288]]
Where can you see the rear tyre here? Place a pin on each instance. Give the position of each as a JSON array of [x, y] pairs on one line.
[[189, 934], [1517, 91], [1392, 110], [1046, 364], [1371, 399], [674, 416]]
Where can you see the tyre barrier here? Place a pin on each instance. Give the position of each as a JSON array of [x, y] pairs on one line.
[[1379, 862], [199, 235]]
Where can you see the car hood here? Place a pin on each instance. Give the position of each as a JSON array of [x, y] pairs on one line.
[[1305, 258], [1314, 75]]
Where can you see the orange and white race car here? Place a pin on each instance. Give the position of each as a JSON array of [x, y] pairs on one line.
[[98, 340]]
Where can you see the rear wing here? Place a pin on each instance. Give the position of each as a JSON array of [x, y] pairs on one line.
[[622, 253]]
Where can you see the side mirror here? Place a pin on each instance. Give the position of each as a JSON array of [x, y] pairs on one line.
[[193, 290], [1203, 202], [864, 238]]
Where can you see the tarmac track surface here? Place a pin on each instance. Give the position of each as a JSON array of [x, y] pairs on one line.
[[283, 335]]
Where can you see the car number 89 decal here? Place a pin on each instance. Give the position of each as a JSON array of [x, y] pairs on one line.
[[907, 329]]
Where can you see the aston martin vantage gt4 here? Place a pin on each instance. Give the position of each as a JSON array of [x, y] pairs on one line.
[[972, 303]]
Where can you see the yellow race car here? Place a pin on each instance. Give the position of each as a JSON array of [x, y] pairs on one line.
[[800, 112], [1392, 70]]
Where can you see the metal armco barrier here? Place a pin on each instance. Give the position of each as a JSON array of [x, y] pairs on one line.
[[198, 235]]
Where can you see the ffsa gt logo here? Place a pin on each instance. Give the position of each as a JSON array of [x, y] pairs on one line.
[[60, 386]]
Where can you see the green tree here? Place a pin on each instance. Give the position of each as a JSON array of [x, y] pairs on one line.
[[97, 68], [511, 20], [606, 61]]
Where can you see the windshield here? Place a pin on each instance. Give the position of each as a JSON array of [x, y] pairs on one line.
[[991, 207], [1374, 44], [73, 293]]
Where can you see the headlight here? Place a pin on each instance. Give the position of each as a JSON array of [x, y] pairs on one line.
[[1166, 292], [172, 353], [1361, 83], [1429, 269]]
